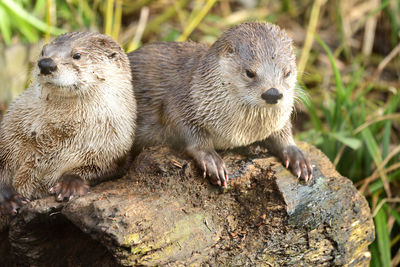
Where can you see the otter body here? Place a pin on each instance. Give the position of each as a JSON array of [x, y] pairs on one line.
[[234, 93], [75, 123]]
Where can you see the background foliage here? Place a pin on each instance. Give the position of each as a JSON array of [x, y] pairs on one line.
[[348, 60]]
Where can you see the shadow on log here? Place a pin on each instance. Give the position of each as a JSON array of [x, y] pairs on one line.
[[163, 213]]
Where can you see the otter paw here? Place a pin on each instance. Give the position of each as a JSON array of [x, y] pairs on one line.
[[298, 162], [212, 166], [68, 187], [11, 201]]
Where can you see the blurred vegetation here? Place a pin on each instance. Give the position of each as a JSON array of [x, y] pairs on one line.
[[348, 59]]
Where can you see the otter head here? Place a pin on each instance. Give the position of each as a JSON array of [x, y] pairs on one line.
[[258, 65], [75, 63]]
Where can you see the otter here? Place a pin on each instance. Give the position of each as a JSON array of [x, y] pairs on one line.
[[74, 125], [201, 99]]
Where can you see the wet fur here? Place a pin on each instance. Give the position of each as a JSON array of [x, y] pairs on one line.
[[187, 96], [86, 129]]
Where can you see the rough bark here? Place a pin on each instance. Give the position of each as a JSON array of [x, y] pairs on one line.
[[164, 213]]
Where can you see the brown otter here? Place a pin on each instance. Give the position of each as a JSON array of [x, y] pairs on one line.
[[234, 93], [74, 124]]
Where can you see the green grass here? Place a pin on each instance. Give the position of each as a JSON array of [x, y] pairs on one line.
[[351, 121], [341, 134], [14, 18]]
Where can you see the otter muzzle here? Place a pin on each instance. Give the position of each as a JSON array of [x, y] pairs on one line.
[[271, 96], [47, 66]]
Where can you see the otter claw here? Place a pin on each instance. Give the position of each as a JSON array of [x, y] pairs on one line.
[[68, 187], [212, 166], [11, 201], [225, 182], [24, 201], [298, 162]]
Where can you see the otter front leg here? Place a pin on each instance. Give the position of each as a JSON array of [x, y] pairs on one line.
[[10, 200], [282, 144], [69, 185], [210, 163]]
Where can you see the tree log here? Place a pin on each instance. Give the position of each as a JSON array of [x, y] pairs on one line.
[[164, 213]]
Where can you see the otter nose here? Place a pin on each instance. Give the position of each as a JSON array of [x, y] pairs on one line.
[[271, 96], [47, 66]]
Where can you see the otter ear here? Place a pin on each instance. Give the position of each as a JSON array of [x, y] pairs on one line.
[[227, 49], [109, 47], [112, 55]]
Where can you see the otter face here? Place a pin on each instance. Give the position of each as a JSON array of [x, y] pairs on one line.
[[56, 67], [257, 62], [76, 62]]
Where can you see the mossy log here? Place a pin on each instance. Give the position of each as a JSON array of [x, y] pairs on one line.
[[164, 213]]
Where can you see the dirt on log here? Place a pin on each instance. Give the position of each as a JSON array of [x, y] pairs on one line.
[[164, 213]]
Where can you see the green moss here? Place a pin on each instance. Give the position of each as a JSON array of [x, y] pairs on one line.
[[140, 250], [173, 242], [132, 239]]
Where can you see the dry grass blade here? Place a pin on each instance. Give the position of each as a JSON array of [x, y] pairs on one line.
[[377, 119], [396, 259], [196, 20], [386, 60], [379, 170], [117, 19], [369, 33], [339, 155], [378, 70], [311, 29], [109, 17], [144, 16], [383, 201], [375, 176]]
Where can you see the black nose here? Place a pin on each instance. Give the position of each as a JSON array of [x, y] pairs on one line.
[[271, 96], [47, 66]]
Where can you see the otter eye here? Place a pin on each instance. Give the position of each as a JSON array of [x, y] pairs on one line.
[[287, 74], [250, 74], [76, 56]]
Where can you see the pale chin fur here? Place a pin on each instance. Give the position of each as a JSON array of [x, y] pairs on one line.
[[65, 79], [65, 84]]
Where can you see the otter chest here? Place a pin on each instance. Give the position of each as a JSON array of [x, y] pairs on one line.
[[246, 128]]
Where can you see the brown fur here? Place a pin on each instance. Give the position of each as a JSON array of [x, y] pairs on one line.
[[78, 121], [199, 99]]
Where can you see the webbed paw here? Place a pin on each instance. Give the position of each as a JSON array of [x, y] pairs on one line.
[[11, 201], [68, 187], [299, 164], [212, 166]]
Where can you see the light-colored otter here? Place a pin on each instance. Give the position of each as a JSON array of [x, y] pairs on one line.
[[74, 125], [234, 93]]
